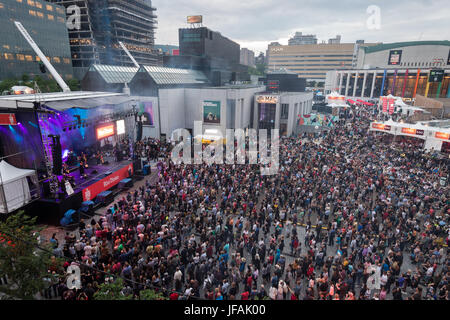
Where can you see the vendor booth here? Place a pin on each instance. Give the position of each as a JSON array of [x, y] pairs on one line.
[[14, 187]]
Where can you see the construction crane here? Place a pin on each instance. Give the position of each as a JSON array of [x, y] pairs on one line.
[[43, 58], [129, 54]]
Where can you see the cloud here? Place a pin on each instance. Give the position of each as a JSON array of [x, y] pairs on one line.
[[256, 23]]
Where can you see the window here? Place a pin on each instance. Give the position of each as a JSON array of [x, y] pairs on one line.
[[6, 46], [20, 57], [66, 60], [57, 59], [1, 5], [39, 14], [49, 7], [38, 59], [284, 111], [60, 20], [8, 56], [28, 57], [60, 10], [51, 17], [32, 12], [38, 5], [31, 3], [19, 1]]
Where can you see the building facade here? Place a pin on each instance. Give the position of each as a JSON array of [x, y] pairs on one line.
[[46, 23], [373, 83], [281, 110], [247, 57], [404, 69], [300, 39], [106, 22], [311, 61]]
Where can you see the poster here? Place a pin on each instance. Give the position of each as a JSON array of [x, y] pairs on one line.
[[211, 112], [146, 111]]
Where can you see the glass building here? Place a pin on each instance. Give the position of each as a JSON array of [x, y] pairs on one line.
[[46, 23]]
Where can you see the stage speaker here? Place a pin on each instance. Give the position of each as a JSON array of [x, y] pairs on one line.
[[139, 131], [57, 155], [46, 189]]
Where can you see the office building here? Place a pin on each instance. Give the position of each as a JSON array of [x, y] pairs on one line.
[[311, 61], [247, 57], [106, 22], [336, 40], [167, 49], [46, 23], [210, 52], [300, 39]]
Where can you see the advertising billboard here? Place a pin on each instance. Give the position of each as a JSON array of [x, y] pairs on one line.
[[120, 126], [436, 75], [194, 19], [211, 112], [146, 112], [395, 57], [448, 60], [105, 131]]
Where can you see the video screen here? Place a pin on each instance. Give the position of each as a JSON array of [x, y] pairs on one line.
[[105, 131], [120, 124]]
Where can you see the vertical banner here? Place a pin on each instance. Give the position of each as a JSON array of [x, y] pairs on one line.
[[385, 104], [391, 106], [404, 82]]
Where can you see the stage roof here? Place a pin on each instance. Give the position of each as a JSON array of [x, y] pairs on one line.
[[64, 100]]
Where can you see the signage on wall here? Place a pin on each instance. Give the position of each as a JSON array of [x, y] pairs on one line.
[[443, 135], [8, 119], [194, 19], [211, 112], [267, 99], [395, 57], [105, 131], [436, 75], [416, 132], [273, 85], [381, 126]]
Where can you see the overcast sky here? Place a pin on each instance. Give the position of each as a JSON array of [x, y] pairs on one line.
[[256, 23]]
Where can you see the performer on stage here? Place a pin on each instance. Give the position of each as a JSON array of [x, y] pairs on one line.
[[82, 167]]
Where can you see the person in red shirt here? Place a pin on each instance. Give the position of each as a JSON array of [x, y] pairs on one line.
[[244, 295]]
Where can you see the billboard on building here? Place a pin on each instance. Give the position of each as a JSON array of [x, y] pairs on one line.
[[211, 112], [146, 112], [395, 57], [436, 75], [194, 19]]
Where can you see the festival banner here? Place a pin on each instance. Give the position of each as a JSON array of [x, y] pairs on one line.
[[107, 183], [391, 106], [8, 119], [385, 104]]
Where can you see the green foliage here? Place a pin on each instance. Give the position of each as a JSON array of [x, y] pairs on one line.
[[259, 70], [151, 295], [45, 85], [112, 291], [24, 265]]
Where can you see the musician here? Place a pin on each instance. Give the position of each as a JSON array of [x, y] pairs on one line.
[[84, 158], [82, 167]]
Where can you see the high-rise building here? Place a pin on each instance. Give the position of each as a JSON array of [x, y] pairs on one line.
[[46, 23], [247, 57], [106, 22], [336, 40], [300, 39]]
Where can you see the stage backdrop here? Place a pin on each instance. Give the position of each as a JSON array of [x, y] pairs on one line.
[[21, 143]]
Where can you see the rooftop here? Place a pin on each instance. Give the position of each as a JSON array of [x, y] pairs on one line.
[[388, 46], [114, 74], [168, 76]]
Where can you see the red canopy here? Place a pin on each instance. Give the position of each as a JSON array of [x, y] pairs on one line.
[[351, 101]]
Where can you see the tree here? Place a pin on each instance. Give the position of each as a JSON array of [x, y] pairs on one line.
[[151, 295], [112, 291], [74, 84], [24, 265]]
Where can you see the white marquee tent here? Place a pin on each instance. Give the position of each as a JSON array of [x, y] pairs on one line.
[[14, 189]]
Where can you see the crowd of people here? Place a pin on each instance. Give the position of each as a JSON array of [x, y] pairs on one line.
[[347, 217]]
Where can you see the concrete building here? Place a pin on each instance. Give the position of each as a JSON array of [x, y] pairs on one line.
[[281, 110], [46, 23], [106, 22], [336, 40], [311, 61], [403, 69], [247, 57], [300, 39]]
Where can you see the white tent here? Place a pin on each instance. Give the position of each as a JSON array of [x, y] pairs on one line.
[[14, 189]]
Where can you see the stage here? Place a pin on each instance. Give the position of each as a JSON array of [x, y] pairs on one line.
[[99, 178]]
